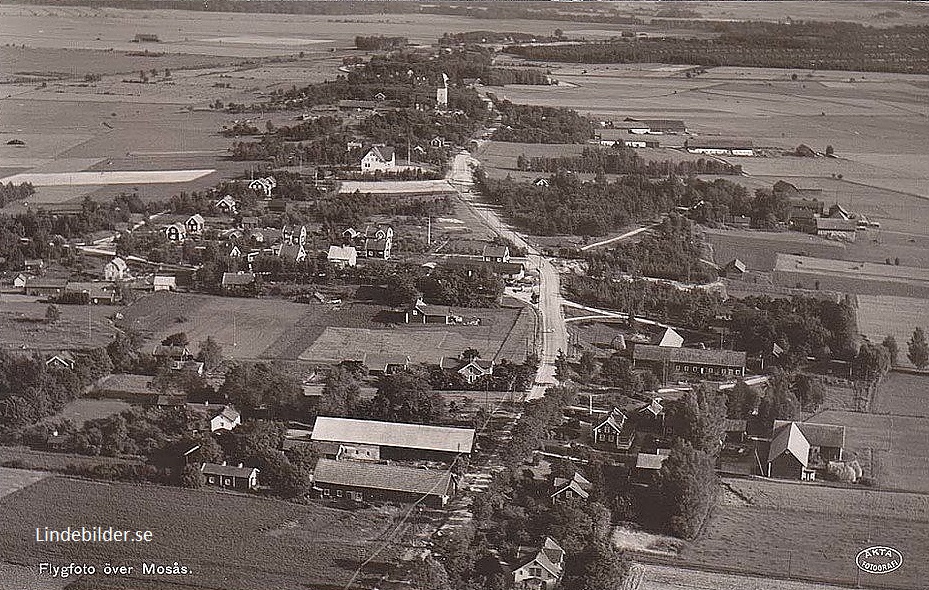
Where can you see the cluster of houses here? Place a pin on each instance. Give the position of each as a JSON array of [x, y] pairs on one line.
[[373, 242]]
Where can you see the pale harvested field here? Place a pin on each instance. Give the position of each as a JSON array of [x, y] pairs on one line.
[[12, 480], [817, 529], [884, 315], [503, 333], [107, 178], [396, 187], [281, 330], [898, 446], [759, 249], [903, 394], [863, 278], [664, 577]]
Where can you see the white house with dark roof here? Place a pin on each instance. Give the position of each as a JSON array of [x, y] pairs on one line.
[[379, 158], [495, 253], [538, 568], [115, 270], [226, 419]]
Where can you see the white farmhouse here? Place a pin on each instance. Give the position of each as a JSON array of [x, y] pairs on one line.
[[379, 158]]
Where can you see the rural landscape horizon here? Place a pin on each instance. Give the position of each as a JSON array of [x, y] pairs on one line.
[[366, 294]]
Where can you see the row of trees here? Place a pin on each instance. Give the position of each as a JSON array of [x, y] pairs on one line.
[[623, 160], [817, 45], [10, 192]]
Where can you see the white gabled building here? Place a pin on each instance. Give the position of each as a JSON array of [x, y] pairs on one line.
[[379, 157]]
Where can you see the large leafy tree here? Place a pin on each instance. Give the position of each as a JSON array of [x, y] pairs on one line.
[[701, 418], [688, 489], [918, 349], [340, 394], [406, 397]]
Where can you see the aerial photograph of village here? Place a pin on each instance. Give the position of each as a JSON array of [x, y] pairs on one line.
[[464, 295]]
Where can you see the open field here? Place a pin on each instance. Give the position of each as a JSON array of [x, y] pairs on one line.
[[82, 410], [813, 532], [23, 325], [758, 249], [274, 329], [884, 315], [275, 543], [864, 278], [108, 177], [397, 187], [244, 327], [663, 577], [898, 446], [12, 480], [903, 394], [422, 345]]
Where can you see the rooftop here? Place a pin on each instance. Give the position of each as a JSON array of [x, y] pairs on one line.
[[700, 356], [818, 435], [382, 477], [394, 434]]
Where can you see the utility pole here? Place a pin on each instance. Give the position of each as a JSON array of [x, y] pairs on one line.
[[429, 230]]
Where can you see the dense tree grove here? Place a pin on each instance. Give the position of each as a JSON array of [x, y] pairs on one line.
[[30, 390], [569, 206], [379, 42], [694, 307], [623, 160], [807, 45], [534, 124], [10, 192], [800, 326], [671, 252]]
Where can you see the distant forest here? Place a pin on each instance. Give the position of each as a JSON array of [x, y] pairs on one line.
[[807, 45]]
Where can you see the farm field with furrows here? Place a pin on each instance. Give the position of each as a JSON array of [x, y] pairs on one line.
[[281, 330], [864, 278], [758, 250], [771, 529], [903, 394], [276, 543], [23, 325], [663, 577], [880, 316], [898, 446]]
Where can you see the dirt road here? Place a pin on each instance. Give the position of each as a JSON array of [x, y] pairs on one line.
[[554, 332]]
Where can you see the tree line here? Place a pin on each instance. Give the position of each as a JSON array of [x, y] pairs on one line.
[[807, 45], [619, 159]]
